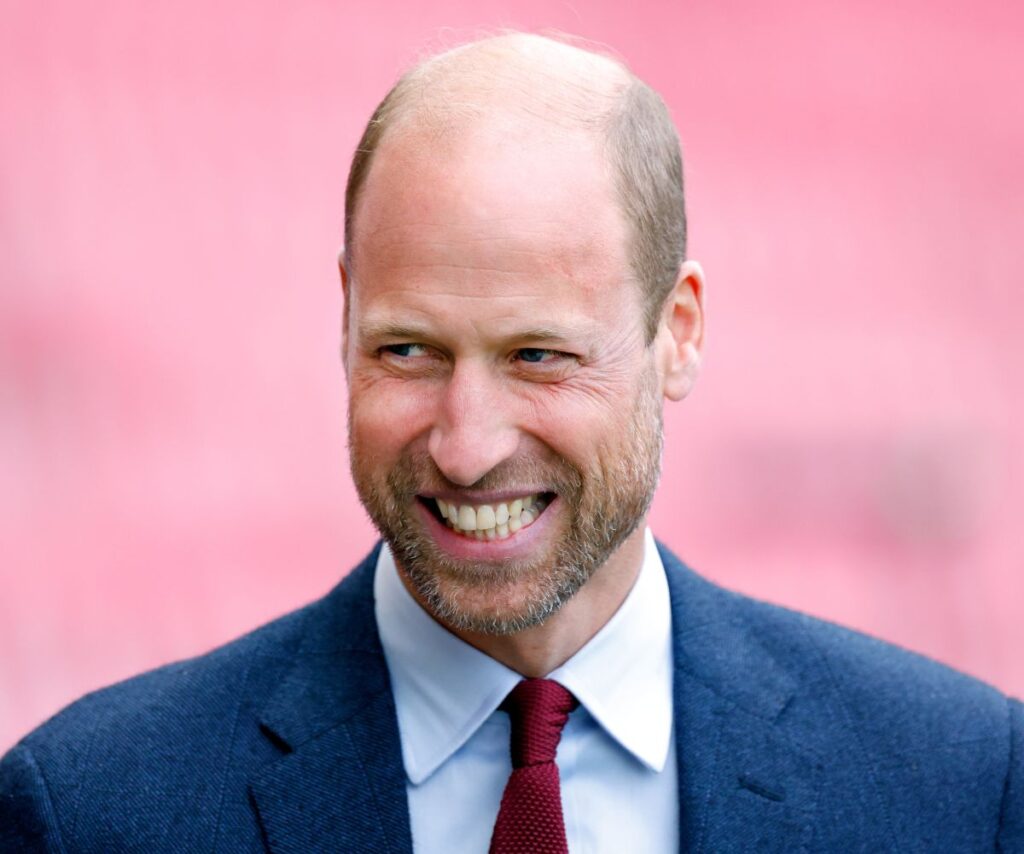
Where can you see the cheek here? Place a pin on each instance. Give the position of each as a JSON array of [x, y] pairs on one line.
[[387, 415], [582, 427], [589, 397]]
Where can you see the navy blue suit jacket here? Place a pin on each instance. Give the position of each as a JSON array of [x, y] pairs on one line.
[[792, 735]]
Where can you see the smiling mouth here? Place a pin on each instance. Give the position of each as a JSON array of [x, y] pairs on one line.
[[489, 521]]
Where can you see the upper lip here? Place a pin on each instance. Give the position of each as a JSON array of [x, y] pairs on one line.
[[489, 497]]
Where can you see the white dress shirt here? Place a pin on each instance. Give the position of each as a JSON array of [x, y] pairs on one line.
[[616, 759]]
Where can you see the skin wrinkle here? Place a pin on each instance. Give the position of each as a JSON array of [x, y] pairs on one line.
[[527, 256], [462, 268], [375, 333], [446, 247], [571, 331], [413, 224], [576, 327], [596, 387], [608, 360], [426, 282]]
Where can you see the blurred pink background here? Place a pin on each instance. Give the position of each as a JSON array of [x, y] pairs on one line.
[[172, 451]]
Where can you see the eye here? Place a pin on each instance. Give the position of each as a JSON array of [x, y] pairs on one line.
[[409, 359], [535, 355], [537, 364], [405, 351]]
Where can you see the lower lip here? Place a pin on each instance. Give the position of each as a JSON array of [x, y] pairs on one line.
[[514, 545]]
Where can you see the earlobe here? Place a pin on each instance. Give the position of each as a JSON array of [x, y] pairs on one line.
[[680, 381], [683, 327]]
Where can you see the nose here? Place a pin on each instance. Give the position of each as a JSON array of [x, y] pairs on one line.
[[474, 430]]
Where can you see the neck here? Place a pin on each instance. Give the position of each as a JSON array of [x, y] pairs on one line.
[[537, 651]]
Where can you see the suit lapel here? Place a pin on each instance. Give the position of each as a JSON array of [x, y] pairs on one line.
[[744, 783], [340, 784]]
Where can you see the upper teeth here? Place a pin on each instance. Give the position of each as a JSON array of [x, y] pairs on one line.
[[492, 519]]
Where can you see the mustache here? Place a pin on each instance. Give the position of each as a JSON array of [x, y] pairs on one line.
[[416, 472]]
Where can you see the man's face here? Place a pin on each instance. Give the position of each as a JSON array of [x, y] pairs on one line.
[[504, 411]]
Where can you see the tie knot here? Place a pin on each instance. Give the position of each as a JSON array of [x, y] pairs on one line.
[[538, 710]]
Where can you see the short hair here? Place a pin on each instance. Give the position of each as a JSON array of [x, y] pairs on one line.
[[640, 138]]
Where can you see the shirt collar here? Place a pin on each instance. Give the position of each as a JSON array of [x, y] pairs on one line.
[[445, 689]]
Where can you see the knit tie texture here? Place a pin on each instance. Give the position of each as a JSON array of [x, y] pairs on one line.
[[530, 819]]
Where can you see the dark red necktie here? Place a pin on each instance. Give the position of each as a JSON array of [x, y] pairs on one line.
[[530, 819]]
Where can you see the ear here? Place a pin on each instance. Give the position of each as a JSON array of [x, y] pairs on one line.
[[680, 337], [346, 296]]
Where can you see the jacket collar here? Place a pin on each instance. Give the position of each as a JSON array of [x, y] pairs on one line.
[[339, 785], [744, 781]]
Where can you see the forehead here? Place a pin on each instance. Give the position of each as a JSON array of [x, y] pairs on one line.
[[501, 210]]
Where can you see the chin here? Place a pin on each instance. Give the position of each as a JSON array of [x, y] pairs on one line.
[[495, 606]]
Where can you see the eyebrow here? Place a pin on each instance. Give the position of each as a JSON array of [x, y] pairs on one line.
[[542, 333], [391, 330], [402, 331]]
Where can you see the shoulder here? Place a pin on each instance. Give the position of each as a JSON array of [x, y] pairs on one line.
[[193, 693], [923, 748], [185, 695], [883, 686], [934, 753], [147, 750], [749, 633]]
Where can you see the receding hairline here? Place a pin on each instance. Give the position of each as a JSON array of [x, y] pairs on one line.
[[510, 77], [551, 78]]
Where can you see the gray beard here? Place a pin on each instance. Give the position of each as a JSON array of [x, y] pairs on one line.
[[605, 505]]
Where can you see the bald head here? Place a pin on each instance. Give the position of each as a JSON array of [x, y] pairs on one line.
[[516, 77], [536, 87]]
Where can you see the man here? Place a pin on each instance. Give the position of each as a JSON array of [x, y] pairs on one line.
[[518, 305]]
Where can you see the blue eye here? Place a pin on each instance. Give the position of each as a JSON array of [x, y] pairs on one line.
[[404, 350], [533, 354]]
